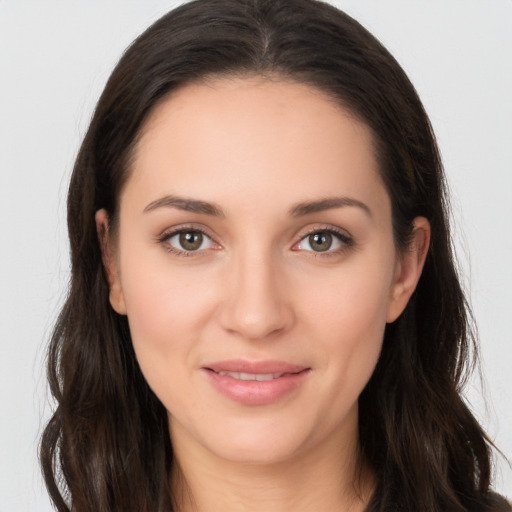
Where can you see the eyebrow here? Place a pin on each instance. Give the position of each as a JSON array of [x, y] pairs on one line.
[[185, 204], [298, 210], [327, 203]]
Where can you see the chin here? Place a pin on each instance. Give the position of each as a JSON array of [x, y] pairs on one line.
[[249, 441], [257, 451]]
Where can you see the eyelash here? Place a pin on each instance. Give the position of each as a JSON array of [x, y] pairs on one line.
[[346, 241], [165, 237]]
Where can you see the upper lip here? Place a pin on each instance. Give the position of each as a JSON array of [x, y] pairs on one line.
[[254, 367]]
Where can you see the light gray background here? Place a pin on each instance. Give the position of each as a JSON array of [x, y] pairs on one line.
[[54, 59]]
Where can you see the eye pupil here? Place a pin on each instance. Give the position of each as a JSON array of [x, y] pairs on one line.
[[191, 240], [320, 241]]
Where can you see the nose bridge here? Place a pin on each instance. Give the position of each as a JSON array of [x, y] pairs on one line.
[[256, 305]]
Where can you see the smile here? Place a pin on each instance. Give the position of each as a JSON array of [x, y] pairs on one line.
[[255, 383], [252, 376]]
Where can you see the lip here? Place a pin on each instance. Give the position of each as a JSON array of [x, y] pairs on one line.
[[286, 378]]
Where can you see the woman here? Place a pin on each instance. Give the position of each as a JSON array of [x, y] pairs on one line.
[[264, 312]]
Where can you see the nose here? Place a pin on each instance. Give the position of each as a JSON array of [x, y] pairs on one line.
[[256, 304]]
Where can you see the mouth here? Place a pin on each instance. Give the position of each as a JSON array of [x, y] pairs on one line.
[[255, 383], [260, 377]]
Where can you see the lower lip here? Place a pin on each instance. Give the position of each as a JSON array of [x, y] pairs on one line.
[[252, 392]]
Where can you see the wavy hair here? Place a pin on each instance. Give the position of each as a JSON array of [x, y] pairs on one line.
[[107, 445]]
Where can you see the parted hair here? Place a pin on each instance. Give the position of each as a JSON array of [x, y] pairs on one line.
[[107, 446]]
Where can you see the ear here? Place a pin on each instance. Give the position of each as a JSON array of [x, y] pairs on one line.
[[110, 265], [408, 269]]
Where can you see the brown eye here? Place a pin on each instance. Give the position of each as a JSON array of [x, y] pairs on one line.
[[191, 240], [320, 241], [187, 241], [324, 241]]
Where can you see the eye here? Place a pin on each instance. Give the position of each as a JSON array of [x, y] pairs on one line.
[[187, 241], [324, 240]]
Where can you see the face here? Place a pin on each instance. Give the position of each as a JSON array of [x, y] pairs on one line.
[[255, 261]]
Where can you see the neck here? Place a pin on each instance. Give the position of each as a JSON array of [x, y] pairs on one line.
[[328, 477]]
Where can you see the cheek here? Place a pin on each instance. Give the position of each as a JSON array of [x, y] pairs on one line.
[[166, 314], [348, 317], [353, 299]]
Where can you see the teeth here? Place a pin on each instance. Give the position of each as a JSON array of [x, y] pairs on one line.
[[252, 376]]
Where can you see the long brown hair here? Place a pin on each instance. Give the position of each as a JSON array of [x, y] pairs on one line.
[[107, 446]]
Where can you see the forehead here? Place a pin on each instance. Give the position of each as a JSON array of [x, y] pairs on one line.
[[247, 135]]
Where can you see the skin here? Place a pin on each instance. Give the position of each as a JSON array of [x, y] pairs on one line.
[[258, 290]]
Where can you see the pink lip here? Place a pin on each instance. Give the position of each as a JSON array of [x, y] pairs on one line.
[[252, 392], [240, 365]]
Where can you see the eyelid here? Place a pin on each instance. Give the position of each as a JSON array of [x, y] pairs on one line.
[[168, 233], [342, 235]]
